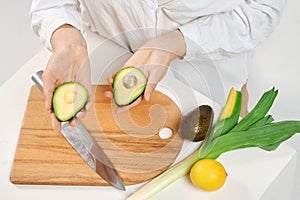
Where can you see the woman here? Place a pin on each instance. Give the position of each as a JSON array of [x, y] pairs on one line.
[[207, 43]]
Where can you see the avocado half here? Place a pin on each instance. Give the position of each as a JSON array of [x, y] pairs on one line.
[[196, 124], [68, 99], [129, 83]]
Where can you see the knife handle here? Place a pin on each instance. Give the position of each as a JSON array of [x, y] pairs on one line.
[[37, 79]]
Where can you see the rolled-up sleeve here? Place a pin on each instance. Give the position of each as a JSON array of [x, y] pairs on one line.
[[46, 16], [224, 34]]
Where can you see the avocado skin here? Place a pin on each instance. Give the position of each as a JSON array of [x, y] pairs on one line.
[[196, 124], [55, 102], [116, 79], [123, 105]]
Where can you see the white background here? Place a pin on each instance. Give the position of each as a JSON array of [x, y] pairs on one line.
[[276, 61], [18, 42]]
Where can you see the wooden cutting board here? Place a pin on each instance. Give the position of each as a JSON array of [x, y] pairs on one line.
[[130, 139]]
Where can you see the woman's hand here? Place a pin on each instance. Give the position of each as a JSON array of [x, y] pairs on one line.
[[69, 62], [154, 58]]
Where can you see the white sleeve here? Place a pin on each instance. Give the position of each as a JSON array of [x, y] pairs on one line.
[[46, 16], [228, 33]]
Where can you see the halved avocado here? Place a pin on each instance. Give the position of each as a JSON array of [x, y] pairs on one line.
[[129, 83], [68, 99]]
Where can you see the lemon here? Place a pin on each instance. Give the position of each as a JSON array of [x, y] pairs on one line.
[[208, 174]]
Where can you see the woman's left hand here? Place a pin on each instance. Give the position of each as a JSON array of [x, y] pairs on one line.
[[154, 58]]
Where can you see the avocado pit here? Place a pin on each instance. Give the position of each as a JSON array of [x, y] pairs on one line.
[[70, 96], [129, 81]]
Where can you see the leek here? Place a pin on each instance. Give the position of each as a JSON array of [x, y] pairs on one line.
[[256, 130]]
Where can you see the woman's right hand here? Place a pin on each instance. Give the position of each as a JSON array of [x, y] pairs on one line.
[[69, 62]]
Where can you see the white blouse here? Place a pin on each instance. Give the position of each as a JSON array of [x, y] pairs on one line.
[[219, 35]]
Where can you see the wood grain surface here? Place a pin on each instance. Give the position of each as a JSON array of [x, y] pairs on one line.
[[130, 139]]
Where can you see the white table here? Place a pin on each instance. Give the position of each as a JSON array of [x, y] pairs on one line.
[[252, 173]]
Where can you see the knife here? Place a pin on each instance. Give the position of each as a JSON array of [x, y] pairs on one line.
[[86, 146]]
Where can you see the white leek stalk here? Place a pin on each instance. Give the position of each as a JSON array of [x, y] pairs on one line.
[[166, 178]]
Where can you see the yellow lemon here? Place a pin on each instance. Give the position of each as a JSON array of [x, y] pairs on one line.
[[208, 174]]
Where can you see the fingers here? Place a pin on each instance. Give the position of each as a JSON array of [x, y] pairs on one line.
[[148, 91], [48, 89], [155, 74], [81, 114], [55, 123], [110, 81], [72, 122], [108, 94], [89, 103]]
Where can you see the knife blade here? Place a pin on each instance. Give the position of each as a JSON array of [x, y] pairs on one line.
[[85, 145]]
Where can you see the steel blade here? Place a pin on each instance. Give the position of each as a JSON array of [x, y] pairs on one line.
[[100, 162]]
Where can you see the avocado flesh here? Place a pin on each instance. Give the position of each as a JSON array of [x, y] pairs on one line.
[[129, 84], [68, 99]]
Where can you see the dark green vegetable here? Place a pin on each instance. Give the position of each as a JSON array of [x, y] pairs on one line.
[[227, 120], [270, 135], [259, 111], [255, 130], [271, 147], [263, 121]]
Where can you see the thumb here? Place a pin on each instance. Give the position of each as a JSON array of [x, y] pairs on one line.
[[148, 91], [48, 91]]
